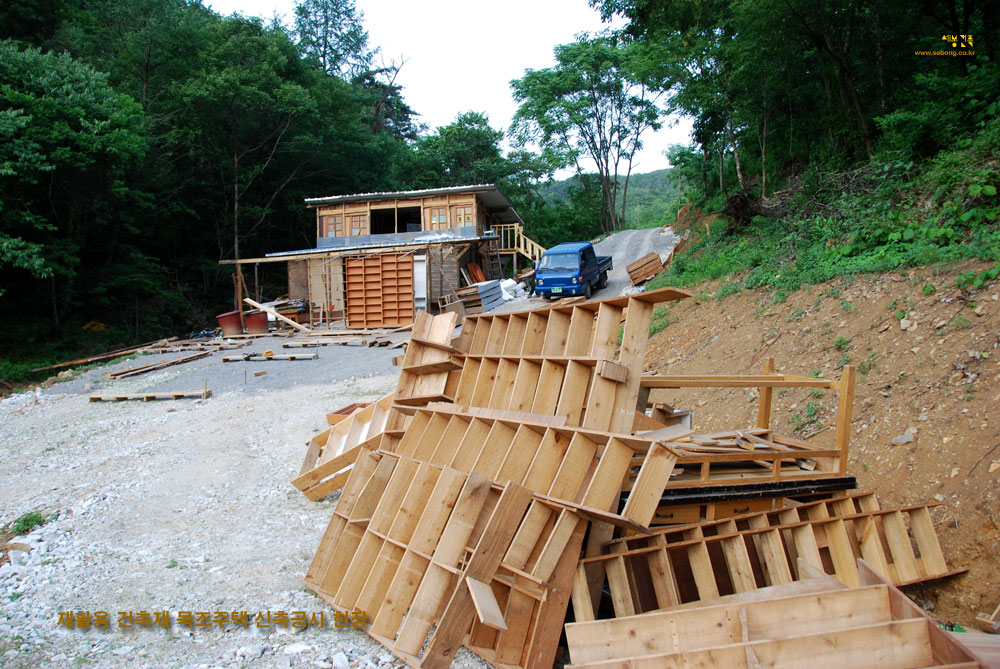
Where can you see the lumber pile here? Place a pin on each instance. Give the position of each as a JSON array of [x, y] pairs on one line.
[[523, 468], [480, 297], [652, 264], [644, 268]]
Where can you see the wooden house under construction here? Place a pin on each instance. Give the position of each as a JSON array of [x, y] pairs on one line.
[[381, 256]]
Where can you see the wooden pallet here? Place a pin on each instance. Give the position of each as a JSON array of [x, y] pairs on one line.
[[149, 397], [267, 358], [818, 623], [331, 453], [702, 561]]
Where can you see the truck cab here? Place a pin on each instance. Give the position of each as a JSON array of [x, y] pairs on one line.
[[571, 269]]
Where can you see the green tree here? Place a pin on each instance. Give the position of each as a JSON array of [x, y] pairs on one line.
[[66, 141], [592, 104], [331, 33]]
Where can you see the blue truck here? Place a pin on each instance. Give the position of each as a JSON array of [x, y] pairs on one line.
[[571, 269]]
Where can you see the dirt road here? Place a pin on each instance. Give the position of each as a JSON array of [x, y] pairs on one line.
[[624, 247], [627, 246]]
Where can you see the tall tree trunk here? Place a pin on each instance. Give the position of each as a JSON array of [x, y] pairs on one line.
[[762, 138], [736, 154], [722, 180]]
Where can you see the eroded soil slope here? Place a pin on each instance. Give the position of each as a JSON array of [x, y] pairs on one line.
[[930, 364]]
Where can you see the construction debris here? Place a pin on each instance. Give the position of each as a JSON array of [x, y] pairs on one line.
[[110, 355], [148, 397], [276, 315], [135, 371], [332, 453], [644, 268], [511, 457], [480, 297], [259, 357]]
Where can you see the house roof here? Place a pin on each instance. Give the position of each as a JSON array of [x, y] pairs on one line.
[[495, 201]]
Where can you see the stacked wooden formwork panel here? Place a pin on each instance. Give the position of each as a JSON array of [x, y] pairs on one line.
[[379, 290], [703, 561], [512, 480], [425, 375], [517, 453], [817, 622]]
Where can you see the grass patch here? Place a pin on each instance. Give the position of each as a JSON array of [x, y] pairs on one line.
[[28, 522], [661, 319]]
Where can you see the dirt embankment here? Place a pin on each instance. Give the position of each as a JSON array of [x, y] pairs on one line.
[[929, 354]]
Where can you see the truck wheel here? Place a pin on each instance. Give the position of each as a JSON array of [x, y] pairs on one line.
[[603, 283], [587, 290]]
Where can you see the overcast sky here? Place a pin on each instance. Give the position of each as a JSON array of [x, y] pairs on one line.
[[461, 54]]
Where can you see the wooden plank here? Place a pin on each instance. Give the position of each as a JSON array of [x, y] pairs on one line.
[[701, 565], [899, 547], [274, 313], [844, 413], [932, 558], [766, 395], [661, 571], [644, 497], [775, 564], [738, 563], [573, 397], [146, 397], [487, 609], [632, 356], [136, 371]]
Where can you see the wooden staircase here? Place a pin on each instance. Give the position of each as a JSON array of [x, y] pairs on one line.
[[513, 241]]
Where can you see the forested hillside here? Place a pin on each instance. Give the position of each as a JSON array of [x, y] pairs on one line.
[[143, 141]]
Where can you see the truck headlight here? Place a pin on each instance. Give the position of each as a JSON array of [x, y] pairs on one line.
[[540, 282], [575, 280]]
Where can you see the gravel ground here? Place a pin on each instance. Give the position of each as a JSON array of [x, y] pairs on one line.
[[176, 506]]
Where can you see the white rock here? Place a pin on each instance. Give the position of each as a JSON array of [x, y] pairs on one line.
[[18, 557], [296, 648], [124, 650], [340, 661]]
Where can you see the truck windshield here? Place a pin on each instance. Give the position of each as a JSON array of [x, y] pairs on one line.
[[559, 262]]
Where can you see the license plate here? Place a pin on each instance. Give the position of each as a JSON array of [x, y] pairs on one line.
[[557, 290]]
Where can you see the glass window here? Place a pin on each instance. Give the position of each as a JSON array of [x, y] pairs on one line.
[[560, 262]]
